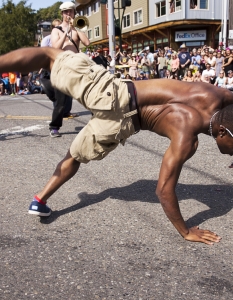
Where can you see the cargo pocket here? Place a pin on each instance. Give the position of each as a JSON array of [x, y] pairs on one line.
[[104, 144], [98, 100], [125, 131]]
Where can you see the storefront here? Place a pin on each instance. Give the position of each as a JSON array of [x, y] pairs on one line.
[[191, 38]]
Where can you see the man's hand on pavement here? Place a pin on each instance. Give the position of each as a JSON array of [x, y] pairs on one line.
[[203, 236]]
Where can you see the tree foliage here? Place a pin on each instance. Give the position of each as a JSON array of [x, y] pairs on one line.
[[17, 26], [49, 13]]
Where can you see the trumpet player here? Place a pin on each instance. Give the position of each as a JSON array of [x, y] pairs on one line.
[[65, 37]]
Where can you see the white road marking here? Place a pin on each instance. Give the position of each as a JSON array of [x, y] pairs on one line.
[[19, 129]]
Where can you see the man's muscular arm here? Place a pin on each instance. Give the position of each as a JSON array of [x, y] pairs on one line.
[[83, 38], [180, 150]]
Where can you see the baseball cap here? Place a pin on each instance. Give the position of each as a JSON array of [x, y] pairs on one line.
[[67, 5], [229, 72]]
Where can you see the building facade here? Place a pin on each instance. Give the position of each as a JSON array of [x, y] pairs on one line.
[[157, 23]]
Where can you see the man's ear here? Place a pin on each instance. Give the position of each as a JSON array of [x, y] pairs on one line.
[[222, 130]]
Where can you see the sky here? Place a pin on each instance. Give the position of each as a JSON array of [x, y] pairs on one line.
[[37, 4]]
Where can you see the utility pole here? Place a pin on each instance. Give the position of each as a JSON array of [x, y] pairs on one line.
[[111, 28], [230, 42]]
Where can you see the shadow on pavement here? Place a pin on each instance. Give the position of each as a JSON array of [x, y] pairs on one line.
[[217, 197]]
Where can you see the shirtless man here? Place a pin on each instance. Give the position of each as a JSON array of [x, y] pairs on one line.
[[65, 37], [179, 112]]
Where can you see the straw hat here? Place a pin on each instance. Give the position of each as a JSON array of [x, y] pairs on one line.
[[183, 46]]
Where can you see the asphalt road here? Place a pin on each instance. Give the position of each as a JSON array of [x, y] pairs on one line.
[[108, 237]]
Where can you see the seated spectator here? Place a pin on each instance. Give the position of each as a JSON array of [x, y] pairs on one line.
[[208, 72], [142, 76], [189, 76], [205, 78], [4, 84], [168, 75], [229, 81], [127, 76], [24, 91], [197, 76], [220, 81]]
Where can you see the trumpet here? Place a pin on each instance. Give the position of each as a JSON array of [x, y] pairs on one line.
[[81, 23]]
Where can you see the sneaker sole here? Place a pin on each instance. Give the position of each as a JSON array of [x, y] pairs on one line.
[[37, 213], [54, 136]]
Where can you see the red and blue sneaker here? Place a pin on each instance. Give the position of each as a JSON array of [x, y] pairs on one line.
[[39, 208]]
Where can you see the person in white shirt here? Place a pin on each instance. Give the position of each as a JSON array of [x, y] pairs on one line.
[[208, 73], [229, 81], [111, 64]]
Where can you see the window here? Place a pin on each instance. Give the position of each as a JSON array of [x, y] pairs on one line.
[[97, 31], [81, 13], [175, 5], [198, 4], [87, 11], [89, 34], [160, 9], [138, 17], [126, 21], [96, 7]]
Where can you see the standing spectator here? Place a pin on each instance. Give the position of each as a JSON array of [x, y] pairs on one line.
[[219, 63], [66, 38], [124, 59], [45, 75], [203, 62], [133, 66], [196, 60], [145, 63], [185, 60], [169, 61], [162, 64], [150, 56], [12, 80], [211, 60], [175, 64], [111, 64], [17, 82], [228, 62]]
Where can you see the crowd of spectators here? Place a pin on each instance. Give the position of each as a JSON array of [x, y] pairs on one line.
[[13, 83], [203, 64]]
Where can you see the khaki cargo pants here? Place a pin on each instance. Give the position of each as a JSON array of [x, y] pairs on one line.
[[104, 95]]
